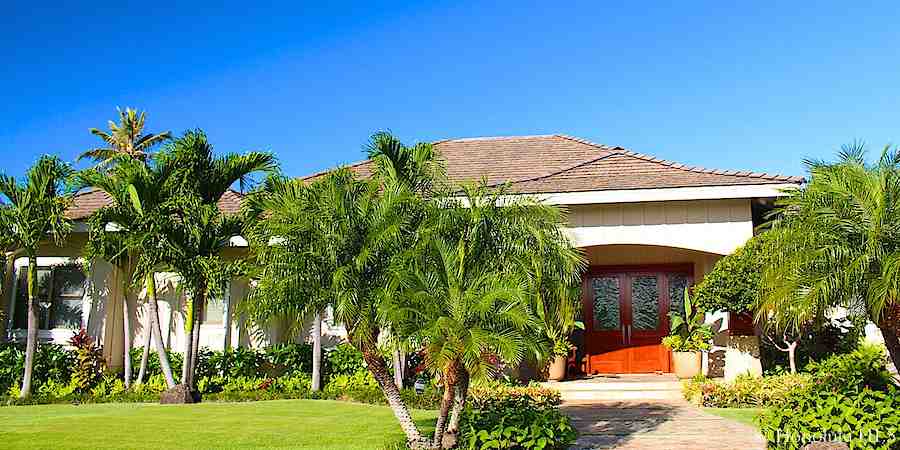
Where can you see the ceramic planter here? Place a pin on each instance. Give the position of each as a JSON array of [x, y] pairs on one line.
[[558, 368], [687, 364]]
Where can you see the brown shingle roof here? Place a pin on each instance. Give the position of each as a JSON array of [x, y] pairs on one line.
[[85, 203], [559, 163]]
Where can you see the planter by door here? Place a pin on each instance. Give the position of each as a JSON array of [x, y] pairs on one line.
[[687, 364], [558, 368], [627, 316]]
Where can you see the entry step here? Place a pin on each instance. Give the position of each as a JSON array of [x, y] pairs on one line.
[[618, 388]]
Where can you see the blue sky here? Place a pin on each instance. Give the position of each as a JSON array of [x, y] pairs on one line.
[[756, 87]]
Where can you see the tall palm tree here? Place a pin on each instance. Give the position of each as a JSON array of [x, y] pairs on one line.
[[33, 211], [130, 234], [125, 140], [334, 242], [202, 231], [469, 310], [837, 244]]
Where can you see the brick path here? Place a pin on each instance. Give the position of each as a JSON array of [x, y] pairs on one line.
[[657, 425]]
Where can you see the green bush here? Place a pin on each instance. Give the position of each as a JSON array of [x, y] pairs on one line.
[[815, 343], [343, 359], [746, 391], [51, 363], [515, 418], [290, 358], [153, 366], [734, 282], [866, 419], [865, 367]]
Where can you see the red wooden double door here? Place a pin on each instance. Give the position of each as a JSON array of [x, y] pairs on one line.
[[626, 316]]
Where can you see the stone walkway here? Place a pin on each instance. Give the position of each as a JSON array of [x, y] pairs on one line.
[[657, 425]]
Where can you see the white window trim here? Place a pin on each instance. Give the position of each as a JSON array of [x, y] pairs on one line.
[[58, 335]]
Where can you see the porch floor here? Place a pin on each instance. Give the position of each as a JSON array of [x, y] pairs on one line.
[[654, 425]]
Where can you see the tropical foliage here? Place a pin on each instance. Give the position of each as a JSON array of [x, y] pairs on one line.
[[839, 246], [30, 213], [689, 332], [125, 140]]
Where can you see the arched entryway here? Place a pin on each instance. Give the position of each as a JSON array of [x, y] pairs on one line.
[[627, 295]]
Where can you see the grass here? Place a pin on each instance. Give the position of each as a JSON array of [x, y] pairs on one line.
[[743, 415], [312, 424]]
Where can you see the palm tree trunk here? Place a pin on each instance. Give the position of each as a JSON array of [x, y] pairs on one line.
[[890, 330], [379, 371], [156, 330], [195, 336], [145, 355], [398, 368], [31, 339], [459, 405], [126, 325], [188, 346], [317, 352], [446, 404]]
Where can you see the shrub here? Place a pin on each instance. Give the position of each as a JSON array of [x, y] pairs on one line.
[[343, 359], [746, 391], [865, 419], [515, 418], [864, 368], [815, 343], [734, 282], [51, 362], [290, 358], [89, 362], [153, 366], [238, 362]]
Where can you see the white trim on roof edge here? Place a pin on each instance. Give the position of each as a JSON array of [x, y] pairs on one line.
[[667, 194]]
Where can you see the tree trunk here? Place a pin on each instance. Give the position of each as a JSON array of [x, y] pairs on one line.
[[188, 345], [156, 330], [398, 369], [459, 405], [317, 352], [379, 371], [446, 404], [145, 355], [31, 339], [890, 330], [792, 355], [195, 336], [126, 326]]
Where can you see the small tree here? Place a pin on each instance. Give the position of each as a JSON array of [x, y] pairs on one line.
[[32, 212]]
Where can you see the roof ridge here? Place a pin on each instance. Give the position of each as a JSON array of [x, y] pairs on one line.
[[494, 138], [695, 169], [326, 171]]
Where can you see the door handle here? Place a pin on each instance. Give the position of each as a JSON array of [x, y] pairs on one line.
[[624, 335], [628, 333]]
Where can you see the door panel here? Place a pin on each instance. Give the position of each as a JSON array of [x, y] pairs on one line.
[[628, 310]]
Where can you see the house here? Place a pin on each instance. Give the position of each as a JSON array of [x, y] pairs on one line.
[[648, 228]]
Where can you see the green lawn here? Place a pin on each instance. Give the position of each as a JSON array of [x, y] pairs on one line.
[[743, 415], [318, 424]]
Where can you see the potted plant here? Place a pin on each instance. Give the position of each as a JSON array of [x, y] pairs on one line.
[[560, 353], [689, 336]]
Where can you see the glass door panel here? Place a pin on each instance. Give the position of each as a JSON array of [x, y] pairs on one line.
[[644, 302], [607, 310]]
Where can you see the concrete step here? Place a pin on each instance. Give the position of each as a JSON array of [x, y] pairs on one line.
[[619, 389]]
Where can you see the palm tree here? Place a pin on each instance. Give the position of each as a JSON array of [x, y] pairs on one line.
[[125, 140], [129, 234], [201, 231], [837, 242], [32, 212], [334, 242], [467, 309]]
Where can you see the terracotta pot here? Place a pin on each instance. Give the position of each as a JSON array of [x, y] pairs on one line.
[[687, 364], [558, 368]]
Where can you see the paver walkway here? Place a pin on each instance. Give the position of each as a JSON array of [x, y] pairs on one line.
[[657, 425]]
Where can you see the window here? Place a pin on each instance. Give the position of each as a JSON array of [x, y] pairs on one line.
[[215, 308], [59, 296]]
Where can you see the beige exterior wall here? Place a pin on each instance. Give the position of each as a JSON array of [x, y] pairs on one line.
[[676, 232], [710, 226]]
